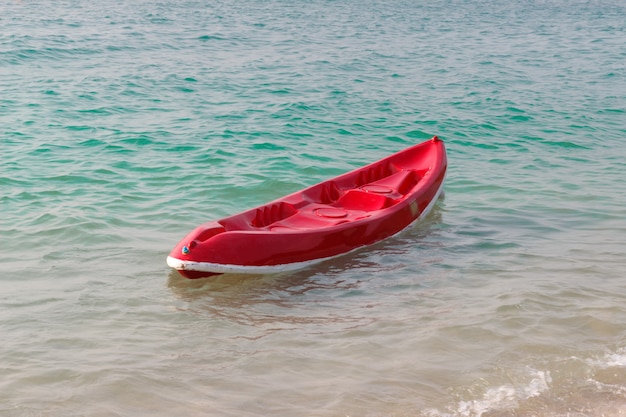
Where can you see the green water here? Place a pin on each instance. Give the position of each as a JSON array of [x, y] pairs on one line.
[[123, 126]]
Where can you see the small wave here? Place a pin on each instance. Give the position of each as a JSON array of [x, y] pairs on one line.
[[573, 386], [500, 398], [609, 360], [211, 38]]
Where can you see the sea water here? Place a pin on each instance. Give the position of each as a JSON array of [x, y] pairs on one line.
[[123, 125]]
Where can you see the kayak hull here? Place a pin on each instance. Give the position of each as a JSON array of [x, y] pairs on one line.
[[323, 221]]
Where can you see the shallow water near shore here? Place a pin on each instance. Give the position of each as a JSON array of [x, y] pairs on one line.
[[124, 126]]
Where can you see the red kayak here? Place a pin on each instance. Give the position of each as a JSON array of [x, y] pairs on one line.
[[325, 220]]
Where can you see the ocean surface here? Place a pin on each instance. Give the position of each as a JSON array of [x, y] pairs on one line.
[[123, 125]]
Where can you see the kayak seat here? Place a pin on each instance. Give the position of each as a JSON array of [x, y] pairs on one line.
[[364, 201], [307, 220]]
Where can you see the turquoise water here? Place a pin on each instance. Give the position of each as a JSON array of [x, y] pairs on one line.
[[125, 125]]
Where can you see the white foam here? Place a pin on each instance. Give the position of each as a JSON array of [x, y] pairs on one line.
[[617, 359], [609, 360], [502, 397]]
